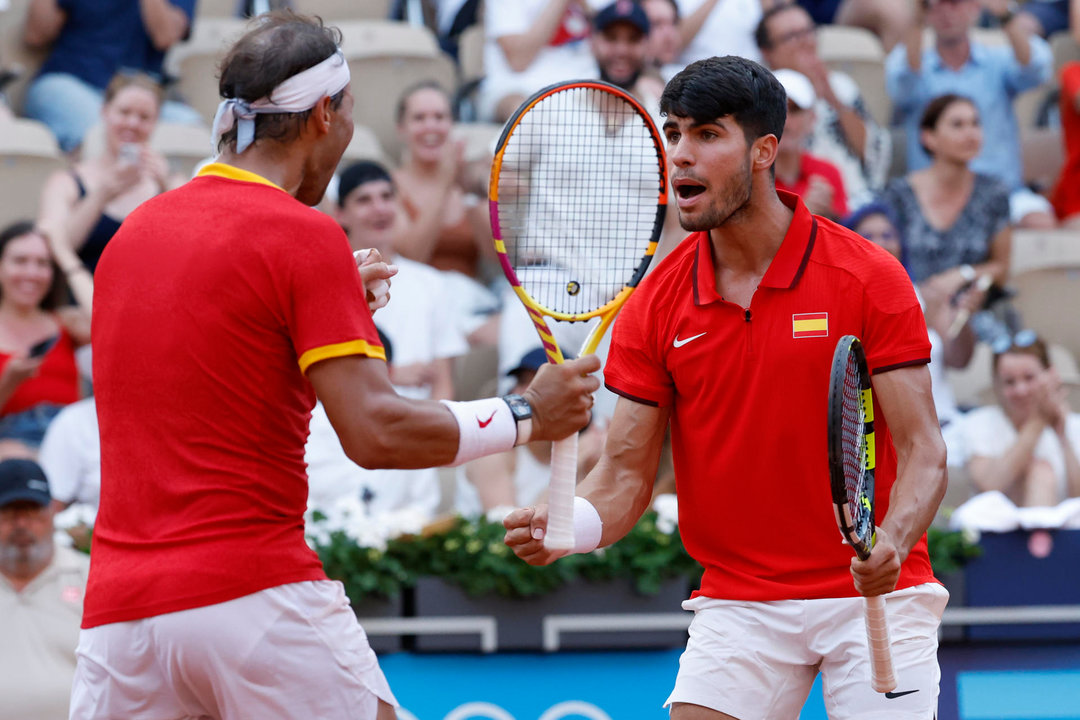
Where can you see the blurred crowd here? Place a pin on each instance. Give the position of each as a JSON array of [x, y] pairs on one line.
[[939, 160]]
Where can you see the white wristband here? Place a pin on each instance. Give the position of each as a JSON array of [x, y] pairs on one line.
[[485, 427], [588, 527]]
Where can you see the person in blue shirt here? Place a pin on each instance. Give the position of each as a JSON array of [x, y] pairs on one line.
[[90, 41], [991, 75]]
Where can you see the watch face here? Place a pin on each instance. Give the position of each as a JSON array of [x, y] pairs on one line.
[[519, 407]]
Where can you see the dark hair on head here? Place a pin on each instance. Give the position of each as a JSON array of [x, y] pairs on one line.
[[933, 111], [403, 99], [761, 32], [730, 85], [126, 79], [1036, 348], [57, 290], [280, 46], [360, 173]]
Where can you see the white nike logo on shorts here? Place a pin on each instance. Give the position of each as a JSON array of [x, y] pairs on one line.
[[679, 343]]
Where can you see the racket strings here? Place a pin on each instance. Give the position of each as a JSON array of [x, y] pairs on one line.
[[577, 198], [853, 430]]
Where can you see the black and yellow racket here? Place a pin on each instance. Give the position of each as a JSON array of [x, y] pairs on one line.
[[851, 473], [577, 199]]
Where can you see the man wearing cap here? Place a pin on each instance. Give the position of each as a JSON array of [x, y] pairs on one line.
[[619, 42], [222, 309], [844, 132], [41, 592], [815, 180]]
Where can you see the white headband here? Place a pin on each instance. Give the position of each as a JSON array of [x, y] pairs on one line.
[[299, 93]]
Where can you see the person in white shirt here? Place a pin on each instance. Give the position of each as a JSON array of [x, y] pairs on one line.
[[718, 27], [424, 340], [1025, 446], [531, 44]]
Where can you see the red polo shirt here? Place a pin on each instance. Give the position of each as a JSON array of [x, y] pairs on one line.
[[748, 392], [209, 304]]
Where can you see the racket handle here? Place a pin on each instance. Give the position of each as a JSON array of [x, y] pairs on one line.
[[882, 677], [560, 525]]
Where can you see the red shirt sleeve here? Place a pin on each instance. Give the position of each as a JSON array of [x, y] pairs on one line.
[[894, 331], [324, 299], [635, 368]]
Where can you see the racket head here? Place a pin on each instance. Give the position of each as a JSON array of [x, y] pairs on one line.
[[577, 199], [851, 445]]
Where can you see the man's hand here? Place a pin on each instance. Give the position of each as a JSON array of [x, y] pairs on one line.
[[879, 573], [375, 275], [819, 196], [525, 529], [561, 397]]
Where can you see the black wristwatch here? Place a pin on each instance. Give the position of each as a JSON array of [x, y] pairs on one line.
[[522, 412]]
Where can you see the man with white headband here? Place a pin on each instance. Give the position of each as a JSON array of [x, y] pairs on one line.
[[221, 310]]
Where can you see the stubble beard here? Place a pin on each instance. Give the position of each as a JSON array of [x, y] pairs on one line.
[[735, 199]]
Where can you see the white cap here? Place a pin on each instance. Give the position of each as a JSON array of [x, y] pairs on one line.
[[798, 87]]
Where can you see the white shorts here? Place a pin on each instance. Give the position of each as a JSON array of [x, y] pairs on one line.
[[292, 651], [757, 660]]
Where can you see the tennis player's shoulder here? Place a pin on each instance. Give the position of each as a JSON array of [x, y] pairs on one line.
[[844, 248]]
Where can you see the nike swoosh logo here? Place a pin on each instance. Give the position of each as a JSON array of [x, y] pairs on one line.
[[679, 343], [894, 695], [485, 423]]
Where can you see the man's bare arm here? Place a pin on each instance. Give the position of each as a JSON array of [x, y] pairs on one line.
[[619, 487], [905, 400]]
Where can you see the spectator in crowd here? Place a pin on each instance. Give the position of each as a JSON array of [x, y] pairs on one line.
[[335, 481], [90, 41], [1025, 446], [952, 340], [885, 18], [1066, 196], [442, 224], [718, 27], [70, 452], [815, 180], [38, 375], [41, 595], [84, 206], [424, 338], [845, 134], [619, 43], [665, 42], [520, 476], [531, 44], [991, 76], [954, 221]]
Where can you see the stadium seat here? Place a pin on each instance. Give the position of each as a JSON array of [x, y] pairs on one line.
[[1064, 49], [364, 146], [1042, 151], [471, 53], [15, 55], [1047, 299], [28, 155], [185, 146], [334, 11], [858, 52], [1042, 249], [217, 9], [385, 58], [195, 62]]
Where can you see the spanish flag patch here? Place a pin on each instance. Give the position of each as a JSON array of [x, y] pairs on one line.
[[808, 325]]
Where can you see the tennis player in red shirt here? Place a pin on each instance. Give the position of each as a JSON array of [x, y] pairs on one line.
[[730, 339], [221, 310]]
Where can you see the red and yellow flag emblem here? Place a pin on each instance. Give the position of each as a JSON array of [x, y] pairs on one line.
[[808, 325]]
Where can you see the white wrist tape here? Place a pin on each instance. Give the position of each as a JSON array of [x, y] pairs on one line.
[[588, 527], [485, 427]]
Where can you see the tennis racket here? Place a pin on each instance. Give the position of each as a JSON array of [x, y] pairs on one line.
[[851, 474], [577, 198]]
